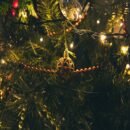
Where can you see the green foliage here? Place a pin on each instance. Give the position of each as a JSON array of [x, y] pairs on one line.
[[4, 7], [97, 100]]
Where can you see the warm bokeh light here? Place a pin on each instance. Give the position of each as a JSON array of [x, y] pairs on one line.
[[2, 61], [103, 38], [72, 45], [124, 50], [41, 39], [98, 21]]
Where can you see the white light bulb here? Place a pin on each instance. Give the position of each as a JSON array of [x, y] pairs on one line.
[[98, 21], [3, 61], [72, 45], [41, 39], [103, 38], [121, 24], [127, 66]]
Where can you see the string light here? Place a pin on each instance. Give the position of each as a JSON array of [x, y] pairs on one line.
[[126, 11], [0, 80], [3, 61], [111, 44], [124, 50], [103, 38], [127, 69], [71, 45], [41, 39], [121, 24], [127, 66], [1, 94], [98, 21]]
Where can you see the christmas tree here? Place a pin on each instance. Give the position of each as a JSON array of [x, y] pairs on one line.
[[64, 65]]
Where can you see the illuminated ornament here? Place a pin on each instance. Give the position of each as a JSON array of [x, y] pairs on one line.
[[13, 12], [71, 9], [15, 4], [124, 50], [65, 63], [116, 24]]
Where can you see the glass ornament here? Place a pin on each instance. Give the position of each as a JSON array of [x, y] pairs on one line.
[[71, 9]]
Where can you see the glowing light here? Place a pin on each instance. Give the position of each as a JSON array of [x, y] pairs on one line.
[[103, 38], [41, 39], [72, 45], [0, 79], [111, 44], [80, 16], [1, 94], [128, 72], [98, 21], [10, 45], [127, 66], [124, 50], [3, 61], [15, 4], [121, 24], [127, 69], [13, 12]]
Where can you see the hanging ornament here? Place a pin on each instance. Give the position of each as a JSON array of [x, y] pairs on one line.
[[15, 4], [13, 12], [65, 63], [71, 9], [116, 24], [54, 17]]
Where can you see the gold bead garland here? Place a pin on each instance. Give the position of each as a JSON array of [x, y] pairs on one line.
[[45, 70]]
